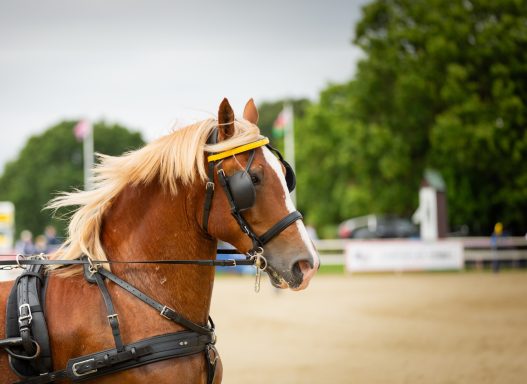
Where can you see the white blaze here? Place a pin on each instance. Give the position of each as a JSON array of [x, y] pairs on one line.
[[277, 168]]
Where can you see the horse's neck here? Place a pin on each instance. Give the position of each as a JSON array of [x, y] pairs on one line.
[[147, 223]]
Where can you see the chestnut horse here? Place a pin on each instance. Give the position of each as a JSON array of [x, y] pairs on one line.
[[147, 205]]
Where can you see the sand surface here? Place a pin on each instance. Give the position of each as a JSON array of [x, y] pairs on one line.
[[409, 328]]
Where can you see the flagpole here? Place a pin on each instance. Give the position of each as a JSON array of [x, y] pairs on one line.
[[289, 142], [87, 146]]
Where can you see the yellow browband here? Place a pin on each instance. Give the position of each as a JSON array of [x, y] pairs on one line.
[[240, 149]]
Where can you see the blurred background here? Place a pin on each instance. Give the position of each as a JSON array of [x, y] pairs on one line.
[[406, 122]]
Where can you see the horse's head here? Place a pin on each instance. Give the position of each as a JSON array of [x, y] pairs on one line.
[[253, 210]]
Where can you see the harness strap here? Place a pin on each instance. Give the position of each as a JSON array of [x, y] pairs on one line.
[[211, 357], [276, 229], [209, 194], [164, 310], [240, 149], [24, 315], [112, 315], [209, 187], [203, 263], [135, 354], [244, 225]]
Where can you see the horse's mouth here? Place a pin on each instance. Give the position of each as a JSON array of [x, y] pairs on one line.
[[279, 281]]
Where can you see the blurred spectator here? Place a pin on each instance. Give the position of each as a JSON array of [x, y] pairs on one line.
[[24, 245], [41, 244], [51, 239], [495, 242]]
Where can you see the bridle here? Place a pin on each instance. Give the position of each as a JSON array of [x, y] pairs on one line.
[[241, 193]]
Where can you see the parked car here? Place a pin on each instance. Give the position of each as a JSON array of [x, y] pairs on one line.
[[378, 227]]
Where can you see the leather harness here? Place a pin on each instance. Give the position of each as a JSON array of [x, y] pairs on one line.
[[28, 343]]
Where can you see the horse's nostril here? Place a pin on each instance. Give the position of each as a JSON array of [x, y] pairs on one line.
[[301, 267], [301, 273], [296, 269]]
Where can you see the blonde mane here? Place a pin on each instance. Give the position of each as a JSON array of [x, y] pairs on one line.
[[175, 159]]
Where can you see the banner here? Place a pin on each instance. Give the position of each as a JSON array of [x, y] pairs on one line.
[[403, 255], [7, 226]]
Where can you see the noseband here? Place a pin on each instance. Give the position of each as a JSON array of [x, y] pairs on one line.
[[241, 193]]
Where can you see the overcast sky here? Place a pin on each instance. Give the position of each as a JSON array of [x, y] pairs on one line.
[[150, 64]]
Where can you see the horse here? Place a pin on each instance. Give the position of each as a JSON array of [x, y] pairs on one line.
[[164, 202]]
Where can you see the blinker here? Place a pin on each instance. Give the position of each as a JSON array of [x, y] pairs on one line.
[[240, 185], [290, 177], [242, 190]]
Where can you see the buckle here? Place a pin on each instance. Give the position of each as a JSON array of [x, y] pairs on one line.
[[29, 316], [212, 354], [74, 368], [164, 310], [114, 316], [209, 185]]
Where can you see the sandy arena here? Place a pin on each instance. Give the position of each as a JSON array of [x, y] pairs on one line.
[[409, 328]]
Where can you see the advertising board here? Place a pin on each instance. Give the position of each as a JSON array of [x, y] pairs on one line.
[[403, 255]]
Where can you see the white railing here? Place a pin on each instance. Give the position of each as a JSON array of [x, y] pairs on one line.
[[476, 249]]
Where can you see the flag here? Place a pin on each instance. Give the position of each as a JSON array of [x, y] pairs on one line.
[[283, 120], [82, 129]]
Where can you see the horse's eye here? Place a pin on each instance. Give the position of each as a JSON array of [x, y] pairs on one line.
[[255, 179]]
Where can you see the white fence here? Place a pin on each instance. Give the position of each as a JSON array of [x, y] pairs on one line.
[[476, 250]]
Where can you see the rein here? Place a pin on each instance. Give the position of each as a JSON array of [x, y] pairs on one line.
[[21, 260]]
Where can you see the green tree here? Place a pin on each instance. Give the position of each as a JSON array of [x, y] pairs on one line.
[[347, 167], [443, 85], [52, 162], [456, 75]]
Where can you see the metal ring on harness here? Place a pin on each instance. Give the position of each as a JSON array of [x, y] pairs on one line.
[[18, 256], [23, 357], [260, 262], [93, 267]]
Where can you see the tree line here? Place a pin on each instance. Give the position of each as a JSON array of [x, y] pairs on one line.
[[52, 162], [443, 86]]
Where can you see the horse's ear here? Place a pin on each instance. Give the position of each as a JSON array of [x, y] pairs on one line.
[[250, 113], [225, 120]]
